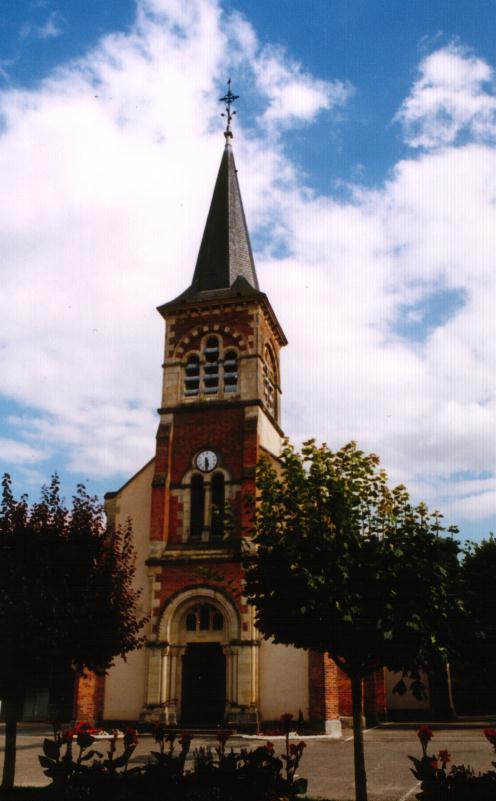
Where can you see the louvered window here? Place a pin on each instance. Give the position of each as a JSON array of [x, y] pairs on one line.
[[192, 376], [269, 382], [230, 372], [211, 366]]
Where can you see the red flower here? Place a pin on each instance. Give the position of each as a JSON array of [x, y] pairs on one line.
[[297, 749], [425, 734], [444, 757], [434, 764], [269, 747], [68, 735]]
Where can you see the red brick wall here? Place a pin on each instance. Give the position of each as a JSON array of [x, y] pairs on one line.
[[88, 701], [323, 687], [375, 696], [240, 321], [159, 506], [177, 577], [221, 428]]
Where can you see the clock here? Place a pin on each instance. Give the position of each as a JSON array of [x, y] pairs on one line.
[[206, 461]]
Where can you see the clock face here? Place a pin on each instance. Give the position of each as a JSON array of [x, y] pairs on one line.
[[206, 461]]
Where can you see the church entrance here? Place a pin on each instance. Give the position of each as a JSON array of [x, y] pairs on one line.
[[203, 685]]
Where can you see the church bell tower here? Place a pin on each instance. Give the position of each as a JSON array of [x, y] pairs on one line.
[[204, 663], [220, 412]]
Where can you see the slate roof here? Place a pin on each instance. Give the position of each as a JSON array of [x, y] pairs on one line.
[[225, 266]]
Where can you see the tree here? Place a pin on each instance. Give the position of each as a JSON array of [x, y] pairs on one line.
[[67, 595], [346, 566], [474, 665]]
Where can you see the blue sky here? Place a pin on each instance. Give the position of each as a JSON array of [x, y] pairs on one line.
[[365, 143]]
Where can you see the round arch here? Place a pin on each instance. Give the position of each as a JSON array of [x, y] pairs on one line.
[[170, 629]]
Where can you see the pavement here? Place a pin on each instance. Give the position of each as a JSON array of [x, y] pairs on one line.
[[327, 763]]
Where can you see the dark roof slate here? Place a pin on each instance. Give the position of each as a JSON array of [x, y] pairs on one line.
[[225, 251], [225, 266]]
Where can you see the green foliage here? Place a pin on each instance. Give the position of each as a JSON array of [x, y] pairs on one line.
[[215, 774], [348, 566], [67, 594], [475, 658]]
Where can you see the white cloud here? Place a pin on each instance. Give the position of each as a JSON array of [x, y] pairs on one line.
[[293, 94], [110, 165], [453, 97], [14, 452], [51, 28]]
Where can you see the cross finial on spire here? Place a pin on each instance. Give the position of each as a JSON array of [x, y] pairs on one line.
[[228, 99]]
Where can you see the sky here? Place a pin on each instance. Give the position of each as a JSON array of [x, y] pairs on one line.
[[365, 141]]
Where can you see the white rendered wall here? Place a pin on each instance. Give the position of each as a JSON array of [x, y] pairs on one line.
[[125, 682], [408, 700], [270, 439], [283, 680]]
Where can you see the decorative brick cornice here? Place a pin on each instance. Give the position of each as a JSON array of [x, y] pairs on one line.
[[220, 404]]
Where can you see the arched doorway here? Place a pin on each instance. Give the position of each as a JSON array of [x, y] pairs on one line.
[[194, 675], [203, 699]]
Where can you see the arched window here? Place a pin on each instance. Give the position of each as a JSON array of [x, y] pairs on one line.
[[269, 381], [211, 367], [191, 622], [218, 502], [192, 376], [197, 511], [230, 371], [204, 617]]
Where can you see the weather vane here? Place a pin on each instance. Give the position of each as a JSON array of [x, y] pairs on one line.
[[228, 99]]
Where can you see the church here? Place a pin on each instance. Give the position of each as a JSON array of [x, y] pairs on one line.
[[204, 663]]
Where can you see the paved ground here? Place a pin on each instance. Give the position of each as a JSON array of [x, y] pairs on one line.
[[328, 764]]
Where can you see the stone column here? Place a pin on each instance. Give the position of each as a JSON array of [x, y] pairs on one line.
[[154, 674], [176, 653]]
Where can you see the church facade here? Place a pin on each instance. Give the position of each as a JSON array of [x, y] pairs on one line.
[[204, 663]]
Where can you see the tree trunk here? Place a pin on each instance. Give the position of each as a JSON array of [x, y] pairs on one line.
[[441, 697], [360, 775], [12, 710]]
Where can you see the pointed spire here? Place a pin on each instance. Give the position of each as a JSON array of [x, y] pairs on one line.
[[225, 251], [225, 266]]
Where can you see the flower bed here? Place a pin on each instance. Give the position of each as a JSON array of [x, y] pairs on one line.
[[216, 774], [460, 783]]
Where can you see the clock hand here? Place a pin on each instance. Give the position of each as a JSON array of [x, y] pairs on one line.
[[206, 462]]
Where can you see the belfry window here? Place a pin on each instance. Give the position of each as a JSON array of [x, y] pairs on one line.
[[192, 376], [269, 381], [211, 367], [197, 510], [230, 372], [218, 502], [204, 617]]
